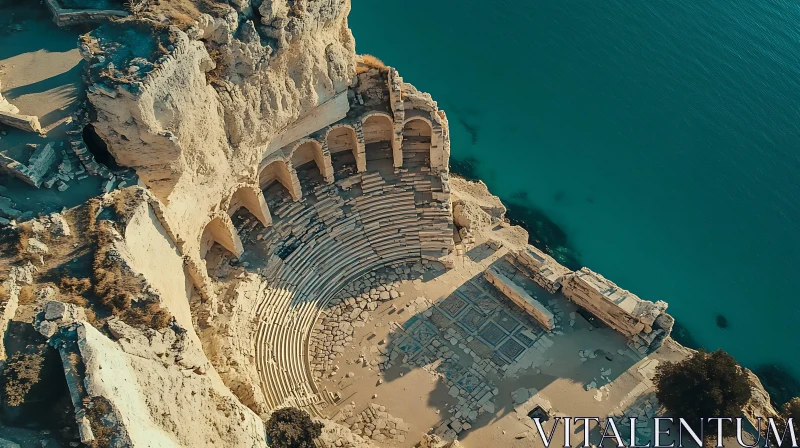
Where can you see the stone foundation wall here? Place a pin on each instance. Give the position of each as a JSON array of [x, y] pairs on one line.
[[71, 17], [521, 298], [540, 267], [24, 122]]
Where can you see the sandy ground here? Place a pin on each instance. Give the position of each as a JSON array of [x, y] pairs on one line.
[[40, 73], [40, 69], [570, 385], [39, 63]]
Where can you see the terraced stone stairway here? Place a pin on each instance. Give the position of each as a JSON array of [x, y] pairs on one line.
[[336, 233]]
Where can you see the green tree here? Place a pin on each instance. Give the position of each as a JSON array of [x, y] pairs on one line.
[[792, 410], [292, 428], [705, 385]]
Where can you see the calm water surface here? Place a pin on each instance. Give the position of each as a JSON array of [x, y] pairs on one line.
[[663, 137]]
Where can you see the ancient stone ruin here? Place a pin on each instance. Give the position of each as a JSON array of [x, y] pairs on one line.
[[277, 225]]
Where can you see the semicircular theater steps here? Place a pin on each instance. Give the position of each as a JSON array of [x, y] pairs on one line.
[[318, 244]]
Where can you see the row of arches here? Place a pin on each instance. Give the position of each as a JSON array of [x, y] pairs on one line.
[[367, 144], [363, 144]]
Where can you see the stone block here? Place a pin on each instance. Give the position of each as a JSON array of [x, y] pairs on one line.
[[55, 310], [27, 123]]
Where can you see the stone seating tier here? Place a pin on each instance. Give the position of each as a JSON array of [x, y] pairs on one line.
[[319, 244]]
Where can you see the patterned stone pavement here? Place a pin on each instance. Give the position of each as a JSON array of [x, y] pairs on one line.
[[482, 323]]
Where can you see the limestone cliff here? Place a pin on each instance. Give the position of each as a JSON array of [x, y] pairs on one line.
[[244, 74]]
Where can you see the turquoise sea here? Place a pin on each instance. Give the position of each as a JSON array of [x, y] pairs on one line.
[[661, 139]]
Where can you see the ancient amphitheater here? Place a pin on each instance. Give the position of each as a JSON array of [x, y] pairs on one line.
[[351, 214], [278, 226]]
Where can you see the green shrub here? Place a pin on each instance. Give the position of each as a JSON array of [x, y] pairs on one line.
[[705, 385], [292, 428]]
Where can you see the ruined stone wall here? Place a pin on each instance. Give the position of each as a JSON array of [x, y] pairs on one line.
[[643, 321], [70, 17], [521, 298], [542, 268]]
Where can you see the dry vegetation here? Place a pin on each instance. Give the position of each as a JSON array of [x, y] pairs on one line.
[[21, 373], [215, 75], [4, 293], [114, 289], [126, 200], [77, 286], [365, 62], [182, 13], [98, 409], [26, 296], [106, 288], [298, 8], [73, 290], [118, 291]]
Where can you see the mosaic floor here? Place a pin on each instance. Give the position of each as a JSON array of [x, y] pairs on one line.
[[477, 317]]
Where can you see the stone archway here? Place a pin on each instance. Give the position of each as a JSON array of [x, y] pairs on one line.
[[417, 142], [309, 150], [220, 230], [279, 171], [342, 139], [253, 200], [378, 130]]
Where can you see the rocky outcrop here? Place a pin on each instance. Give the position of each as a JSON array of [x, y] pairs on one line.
[[125, 374], [245, 75], [134, 383], [472, 196], [759, 405], [228, 333]]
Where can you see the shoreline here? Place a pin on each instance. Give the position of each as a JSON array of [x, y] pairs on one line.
[[777, 375]]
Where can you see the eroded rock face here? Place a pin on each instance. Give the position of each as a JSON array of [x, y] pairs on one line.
[[126, 374], [244, 74]]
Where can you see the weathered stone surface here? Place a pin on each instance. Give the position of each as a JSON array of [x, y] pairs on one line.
[[55, 310], [619, 308], [36, 247], [521, 298], [8, 444], [542, 268], [24, 122], [124, 374], [65, 17]]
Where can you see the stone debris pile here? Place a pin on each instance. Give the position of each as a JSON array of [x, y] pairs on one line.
[[335, 327], [375, 423]]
